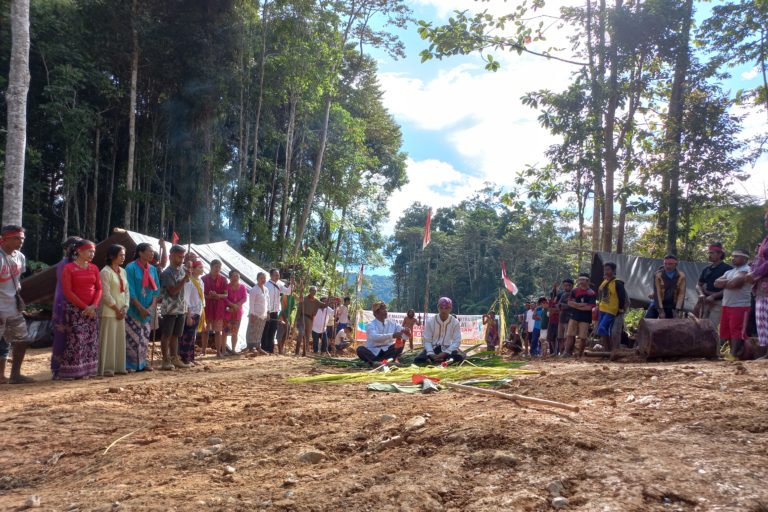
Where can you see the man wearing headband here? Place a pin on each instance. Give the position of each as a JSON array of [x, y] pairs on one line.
[[668, 290], [737, 301], [442, 336], [581, 304], [384, 338], [13, 327], [711, 296]]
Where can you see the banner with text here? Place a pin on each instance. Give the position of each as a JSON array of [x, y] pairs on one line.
[[471, 325]]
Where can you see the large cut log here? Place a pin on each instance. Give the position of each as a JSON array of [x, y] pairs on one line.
[[677, 337]]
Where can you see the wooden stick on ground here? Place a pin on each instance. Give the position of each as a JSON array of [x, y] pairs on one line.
[[120, 439], [514, 398]]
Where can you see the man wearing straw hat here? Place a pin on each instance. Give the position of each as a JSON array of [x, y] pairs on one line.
[[737, 300], [384, 338], [442, 336]]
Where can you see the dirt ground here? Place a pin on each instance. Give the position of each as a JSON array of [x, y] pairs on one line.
[[665, 436]]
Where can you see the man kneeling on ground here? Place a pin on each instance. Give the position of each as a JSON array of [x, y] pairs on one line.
[[384, 338], [442, 336]]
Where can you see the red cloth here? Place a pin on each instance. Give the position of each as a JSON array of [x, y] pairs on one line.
[[732, 322], [81, 286], [215, 308], [147, 281]]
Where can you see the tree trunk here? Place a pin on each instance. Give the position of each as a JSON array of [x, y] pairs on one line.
[[315, 176], [260, 101], [65, 228], [294, 99], [132, 112], [609, 145], [674, 128], [93, 197], [207, 174], [16, 102], [110, 193]]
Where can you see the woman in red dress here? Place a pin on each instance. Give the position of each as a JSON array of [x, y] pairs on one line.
[[81, 283], [215, 307]]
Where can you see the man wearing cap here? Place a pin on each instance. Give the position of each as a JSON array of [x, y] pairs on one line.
[[737, 300], [384, 338], [711, 296], [581, 303], [668, 290], [13, 327], [442, 336]]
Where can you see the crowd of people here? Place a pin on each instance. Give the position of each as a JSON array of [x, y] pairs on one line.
[[733, 297], [104, 319]]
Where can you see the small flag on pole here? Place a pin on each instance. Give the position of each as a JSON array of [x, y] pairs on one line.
[[360, 279], [508, 284], [427, 229], [175, 238]]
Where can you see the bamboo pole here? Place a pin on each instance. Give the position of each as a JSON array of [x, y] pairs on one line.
[[514, 398]]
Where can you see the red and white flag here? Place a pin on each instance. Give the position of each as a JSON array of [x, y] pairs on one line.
[[427, 229], [360, 279], [508, 284]]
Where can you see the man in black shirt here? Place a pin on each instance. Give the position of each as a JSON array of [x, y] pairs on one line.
[[710, 297]]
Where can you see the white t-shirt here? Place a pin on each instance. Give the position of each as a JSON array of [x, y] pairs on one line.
[[737, 297], [318, 324], [192, 297], [341, 336], [529, 320], [9, 276], [343, 313]]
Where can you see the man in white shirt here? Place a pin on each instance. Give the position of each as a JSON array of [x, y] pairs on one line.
[[737, 301], [13, 326], [342, 315], [258, 302], [384, 338], [442, 336], [318, 327], [275, 288]]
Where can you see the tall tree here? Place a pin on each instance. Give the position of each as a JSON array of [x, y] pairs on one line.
[[16, 123]]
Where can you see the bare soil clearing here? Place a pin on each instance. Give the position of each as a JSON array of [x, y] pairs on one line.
[[664, 436]]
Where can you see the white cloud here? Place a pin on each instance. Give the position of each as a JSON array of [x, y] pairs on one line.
[[432, 182], [749, 75]]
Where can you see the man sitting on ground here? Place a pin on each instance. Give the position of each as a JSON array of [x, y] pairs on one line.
[[384, 338], [442, 336], [342, 340]]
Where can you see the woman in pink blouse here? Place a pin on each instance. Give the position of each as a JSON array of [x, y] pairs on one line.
[[237, 295]]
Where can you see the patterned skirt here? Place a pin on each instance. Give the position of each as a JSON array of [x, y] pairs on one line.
[[761, 316], [254, 332], [187, 341], [80, 357], [136, 343]]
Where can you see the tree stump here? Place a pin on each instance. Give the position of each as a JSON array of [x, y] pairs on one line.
[[677, 337]]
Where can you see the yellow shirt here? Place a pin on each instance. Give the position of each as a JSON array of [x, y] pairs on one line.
[[608, 297]]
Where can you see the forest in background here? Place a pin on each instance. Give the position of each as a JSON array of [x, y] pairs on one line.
[[651, 145], [256, 122], [262, 123]]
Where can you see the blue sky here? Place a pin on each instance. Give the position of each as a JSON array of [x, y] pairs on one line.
[[464, 126]]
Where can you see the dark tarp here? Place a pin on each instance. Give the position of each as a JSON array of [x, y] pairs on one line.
[[637, 274]]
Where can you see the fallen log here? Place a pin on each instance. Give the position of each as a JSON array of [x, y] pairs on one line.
[[508, 396], [677, 338]]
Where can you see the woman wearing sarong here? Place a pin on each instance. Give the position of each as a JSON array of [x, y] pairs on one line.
[[237, 295], [759, 276], [144, 290], [114, 306], [57, 317], [194, 297], [215, 306], [81, 284]]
